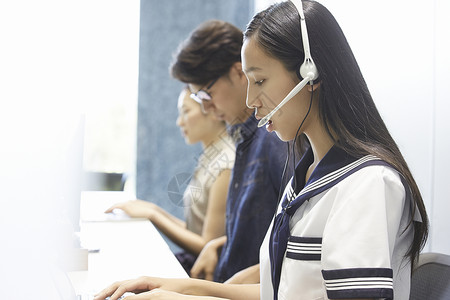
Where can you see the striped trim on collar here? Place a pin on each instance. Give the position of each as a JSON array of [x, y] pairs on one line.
[[330, 177]]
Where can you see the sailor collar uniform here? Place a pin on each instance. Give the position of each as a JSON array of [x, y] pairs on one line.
[[343, 234]]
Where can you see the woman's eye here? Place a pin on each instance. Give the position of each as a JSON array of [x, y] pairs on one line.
[[259, 82]]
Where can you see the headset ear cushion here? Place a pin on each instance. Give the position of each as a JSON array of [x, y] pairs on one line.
[[297, 71]]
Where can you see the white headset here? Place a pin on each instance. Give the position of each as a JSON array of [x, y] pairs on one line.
[[307, 70]]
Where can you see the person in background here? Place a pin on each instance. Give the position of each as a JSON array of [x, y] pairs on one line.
[[205, 196], [351, 222], [209, 61]]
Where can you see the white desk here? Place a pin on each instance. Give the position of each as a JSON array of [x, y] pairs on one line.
[[128, 248]]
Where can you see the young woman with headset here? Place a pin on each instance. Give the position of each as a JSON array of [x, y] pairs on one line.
[[351, 222]]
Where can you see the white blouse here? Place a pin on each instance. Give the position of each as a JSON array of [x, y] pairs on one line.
[[216, 157], [346, 240]]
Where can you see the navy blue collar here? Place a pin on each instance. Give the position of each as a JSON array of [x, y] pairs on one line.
[[335, 159]]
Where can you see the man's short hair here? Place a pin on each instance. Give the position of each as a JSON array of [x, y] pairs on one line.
[[208, 53]]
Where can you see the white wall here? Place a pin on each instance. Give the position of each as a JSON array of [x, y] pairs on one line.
[[58, 60], [441, 148], [402, 48], [107, 51]]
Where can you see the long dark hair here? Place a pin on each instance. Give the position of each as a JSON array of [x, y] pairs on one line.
[[346, 107]]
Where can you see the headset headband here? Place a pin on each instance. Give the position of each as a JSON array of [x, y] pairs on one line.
[[308, 68]]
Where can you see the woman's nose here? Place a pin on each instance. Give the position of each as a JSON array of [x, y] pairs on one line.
[[179, 121], [252, 100]]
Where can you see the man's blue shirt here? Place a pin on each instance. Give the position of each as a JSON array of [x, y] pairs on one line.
[[252, 196]]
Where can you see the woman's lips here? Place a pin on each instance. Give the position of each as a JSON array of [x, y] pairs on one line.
[[269, 126]]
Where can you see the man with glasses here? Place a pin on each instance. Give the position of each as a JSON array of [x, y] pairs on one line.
[[209, 61]]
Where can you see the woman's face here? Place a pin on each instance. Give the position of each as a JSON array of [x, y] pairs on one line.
[[268, 84], [196, 126]]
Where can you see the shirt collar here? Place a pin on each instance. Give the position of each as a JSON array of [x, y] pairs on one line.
[[335, 158], [243, 131]]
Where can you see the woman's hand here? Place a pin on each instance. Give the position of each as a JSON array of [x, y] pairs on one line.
[[157, 294], [177, 289], [135, 208], [153, 288], [206, 262], [137, 286]]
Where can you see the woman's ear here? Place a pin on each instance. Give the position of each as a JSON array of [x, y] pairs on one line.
[[313, 87]]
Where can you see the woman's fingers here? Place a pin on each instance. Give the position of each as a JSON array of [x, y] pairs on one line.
[[116, 290]]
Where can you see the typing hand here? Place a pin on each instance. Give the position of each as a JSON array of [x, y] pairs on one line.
[[134, 208], [146, 288], [158, 294], [137, 286], [207, 260]]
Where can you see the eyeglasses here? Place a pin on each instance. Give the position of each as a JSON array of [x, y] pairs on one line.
[[202, 95]]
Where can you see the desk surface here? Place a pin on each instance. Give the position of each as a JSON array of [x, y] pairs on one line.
[[125, 248]]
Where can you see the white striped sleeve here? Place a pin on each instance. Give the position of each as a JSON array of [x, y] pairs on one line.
[[358, 241]]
